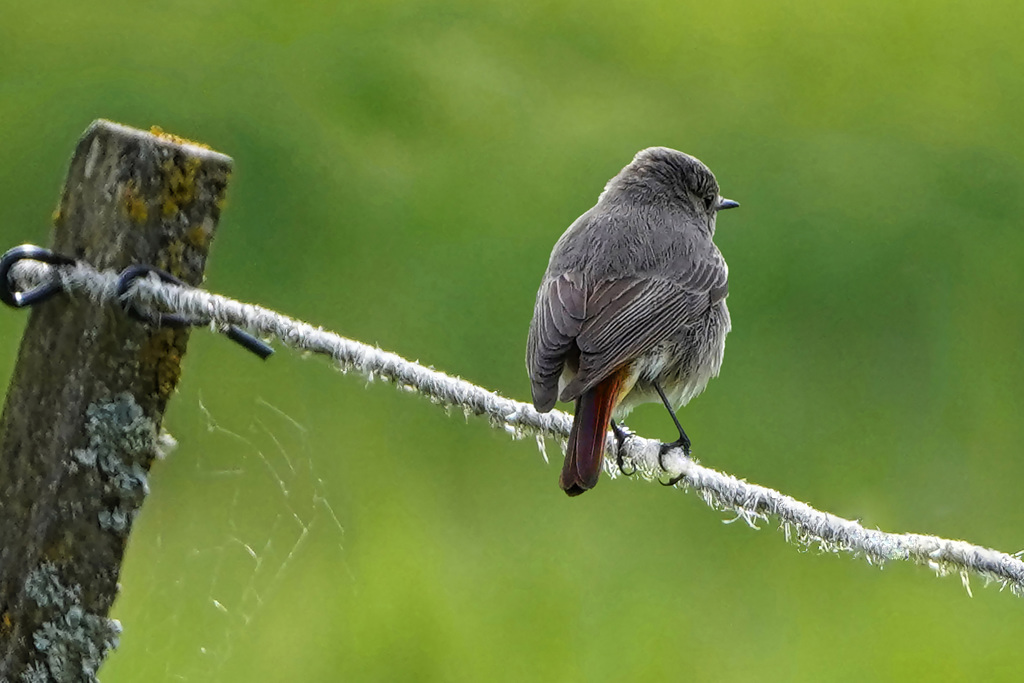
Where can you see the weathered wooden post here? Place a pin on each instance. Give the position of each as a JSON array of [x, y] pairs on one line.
[[80, 425]]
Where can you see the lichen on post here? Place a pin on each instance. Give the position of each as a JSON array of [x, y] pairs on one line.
[[80, 424]]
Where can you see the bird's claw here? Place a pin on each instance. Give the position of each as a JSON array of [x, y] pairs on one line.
[[684, 443], [621, 434]]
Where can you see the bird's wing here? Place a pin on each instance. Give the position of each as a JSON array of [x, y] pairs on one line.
[[558, 318], [612, 321]]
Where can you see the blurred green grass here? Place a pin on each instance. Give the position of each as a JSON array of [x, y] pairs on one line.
[[402, 170]]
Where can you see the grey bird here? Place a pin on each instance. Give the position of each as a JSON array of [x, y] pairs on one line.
[[632, 307]]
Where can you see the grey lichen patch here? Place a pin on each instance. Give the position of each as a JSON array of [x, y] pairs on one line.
[[74, 642], [117, 520], [36, 673], [122, 442], [43, 585]]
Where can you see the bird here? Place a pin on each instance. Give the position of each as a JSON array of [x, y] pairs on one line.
[[631, 308]]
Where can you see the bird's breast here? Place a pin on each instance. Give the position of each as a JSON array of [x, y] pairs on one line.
[[683, 364]]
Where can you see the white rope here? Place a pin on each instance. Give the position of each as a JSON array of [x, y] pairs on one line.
[[749, 502]]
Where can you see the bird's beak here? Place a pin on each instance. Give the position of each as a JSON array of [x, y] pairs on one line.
[[724, 203]]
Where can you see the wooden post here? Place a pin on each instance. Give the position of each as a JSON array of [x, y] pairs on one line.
[[80, 426]]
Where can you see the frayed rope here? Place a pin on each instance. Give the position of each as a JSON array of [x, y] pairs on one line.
[[749, 502]]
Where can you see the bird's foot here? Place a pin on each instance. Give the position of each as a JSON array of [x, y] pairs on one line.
[[682, 442], [621, 434]]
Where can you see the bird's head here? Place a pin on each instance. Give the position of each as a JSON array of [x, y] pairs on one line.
[[663, 174]]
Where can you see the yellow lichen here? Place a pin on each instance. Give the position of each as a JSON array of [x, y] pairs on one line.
[[168, 374], [176, 139], [6, 624], [199, 235], [172, 258], [222, 199], [160, 360], [134, 205], [179, 183]]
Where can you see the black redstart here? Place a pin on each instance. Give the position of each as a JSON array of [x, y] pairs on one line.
[[632, 307]]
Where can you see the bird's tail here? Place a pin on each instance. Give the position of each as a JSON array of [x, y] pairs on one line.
[[585, 452]]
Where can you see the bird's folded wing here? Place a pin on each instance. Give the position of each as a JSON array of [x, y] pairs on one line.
[[558, 318], [611, 322]]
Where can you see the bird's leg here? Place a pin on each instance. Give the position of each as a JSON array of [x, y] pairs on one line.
[[621, 434], [683, 440]]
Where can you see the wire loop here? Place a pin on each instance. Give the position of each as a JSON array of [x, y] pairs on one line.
[[39, 293], [176, 320], [44, 291]]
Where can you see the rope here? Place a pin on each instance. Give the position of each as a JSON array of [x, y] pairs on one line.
[[752, 503]]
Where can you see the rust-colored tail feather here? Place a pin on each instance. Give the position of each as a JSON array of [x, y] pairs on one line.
[[585, 451]]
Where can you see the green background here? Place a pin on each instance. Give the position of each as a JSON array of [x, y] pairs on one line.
[[402, 171]]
